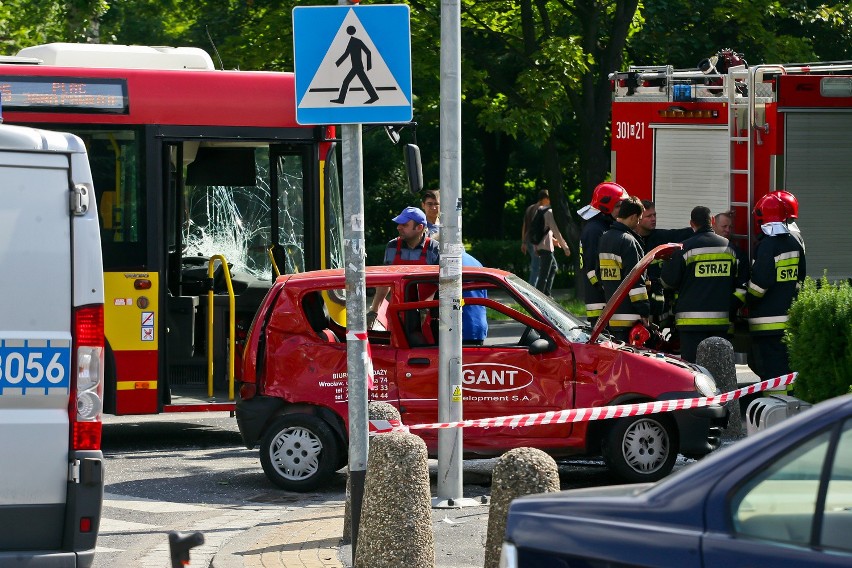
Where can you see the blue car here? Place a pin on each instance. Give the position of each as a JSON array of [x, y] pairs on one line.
[[782, 497]]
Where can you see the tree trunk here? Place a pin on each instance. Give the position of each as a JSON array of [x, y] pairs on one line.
[[497, 147], [559, 202]]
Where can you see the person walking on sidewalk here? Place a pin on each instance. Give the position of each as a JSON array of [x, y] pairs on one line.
[[545, 247], [619, 251], [705, 275], [599, 215], [527, 246]]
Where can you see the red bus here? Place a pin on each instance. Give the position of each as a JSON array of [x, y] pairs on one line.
[[197, 172]]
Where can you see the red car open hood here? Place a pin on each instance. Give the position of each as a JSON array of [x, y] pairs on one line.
[[662, 252]]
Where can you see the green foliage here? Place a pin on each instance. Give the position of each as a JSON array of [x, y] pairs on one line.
[[819, 339], [682, 32], [534, 92], [24, 23]]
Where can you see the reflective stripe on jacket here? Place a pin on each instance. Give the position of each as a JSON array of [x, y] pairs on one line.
[[590, 237], [706, 276], [618, 252], [776, 275]]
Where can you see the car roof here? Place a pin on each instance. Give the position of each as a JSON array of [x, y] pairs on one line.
[[332, 276]]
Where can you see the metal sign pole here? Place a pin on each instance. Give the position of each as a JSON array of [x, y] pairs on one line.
[[330, 45], [356, 320], [450, 282]]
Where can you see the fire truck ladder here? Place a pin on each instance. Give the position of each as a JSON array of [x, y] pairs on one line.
[[740, 131]]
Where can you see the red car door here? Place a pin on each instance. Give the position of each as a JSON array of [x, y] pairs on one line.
[[500, 378]]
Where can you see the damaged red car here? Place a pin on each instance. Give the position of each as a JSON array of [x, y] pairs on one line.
[[536, 357]]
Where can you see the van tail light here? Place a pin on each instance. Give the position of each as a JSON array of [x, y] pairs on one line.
[[87, 380]]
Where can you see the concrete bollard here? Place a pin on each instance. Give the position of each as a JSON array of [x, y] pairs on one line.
[[376, 411], [518, 472], [396, 519], [383, 411], [716, 354]]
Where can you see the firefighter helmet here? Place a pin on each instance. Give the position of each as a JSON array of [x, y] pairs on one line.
[[606, 195], [790, 202], [770, 209]]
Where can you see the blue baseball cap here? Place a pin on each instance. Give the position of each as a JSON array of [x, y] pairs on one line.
[[410, 214]]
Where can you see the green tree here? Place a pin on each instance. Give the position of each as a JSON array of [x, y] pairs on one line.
[[535, 74], [682, 32]]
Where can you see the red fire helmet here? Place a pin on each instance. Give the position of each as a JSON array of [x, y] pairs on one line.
[[639, 334], [606, 195], [790, 202], [770, 209]]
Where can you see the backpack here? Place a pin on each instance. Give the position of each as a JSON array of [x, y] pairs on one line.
[[537, 228]]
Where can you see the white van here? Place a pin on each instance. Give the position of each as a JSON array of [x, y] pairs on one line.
[[51, 351]]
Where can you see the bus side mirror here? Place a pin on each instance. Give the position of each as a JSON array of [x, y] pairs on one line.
[[413, 167]]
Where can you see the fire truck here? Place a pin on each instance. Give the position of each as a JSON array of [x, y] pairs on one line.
[[725, 133]]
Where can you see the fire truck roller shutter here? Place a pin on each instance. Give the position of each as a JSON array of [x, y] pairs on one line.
[[691, 167], [818, 172]]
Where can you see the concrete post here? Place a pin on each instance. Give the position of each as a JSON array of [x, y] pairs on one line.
[[376, 411], [518, 472], [396, 518], [716, 354]]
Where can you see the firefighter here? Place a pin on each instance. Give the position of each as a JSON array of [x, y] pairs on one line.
[[705, 276], [723, 224], [599, 215], [776, 276], [651, 237], [619, 251]]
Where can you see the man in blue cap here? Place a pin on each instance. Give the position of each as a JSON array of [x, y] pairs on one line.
[[412, 246]]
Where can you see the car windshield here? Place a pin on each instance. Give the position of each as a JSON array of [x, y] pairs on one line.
[[566, 323]]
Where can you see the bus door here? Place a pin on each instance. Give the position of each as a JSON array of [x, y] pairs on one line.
[[131, 274], [241, 202]]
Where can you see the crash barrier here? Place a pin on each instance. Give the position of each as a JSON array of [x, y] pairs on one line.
[[518, 472], [588, 414], [768, 411], [396, 518]]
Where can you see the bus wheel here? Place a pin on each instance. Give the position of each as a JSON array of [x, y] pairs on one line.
[[298, 452], [640, 449]]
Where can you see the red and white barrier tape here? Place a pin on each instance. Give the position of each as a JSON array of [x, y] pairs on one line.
[[587, 414], [368, 356]]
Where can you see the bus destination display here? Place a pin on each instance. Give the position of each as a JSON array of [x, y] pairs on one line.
[[63, 94]]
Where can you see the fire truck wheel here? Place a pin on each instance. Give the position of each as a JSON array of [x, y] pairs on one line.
[[298, 452], [641, 448]]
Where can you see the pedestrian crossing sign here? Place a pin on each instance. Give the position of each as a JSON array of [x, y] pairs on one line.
[[352, 64]]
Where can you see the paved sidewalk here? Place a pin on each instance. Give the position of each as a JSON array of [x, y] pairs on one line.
[[309, 541], [300, 537]]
